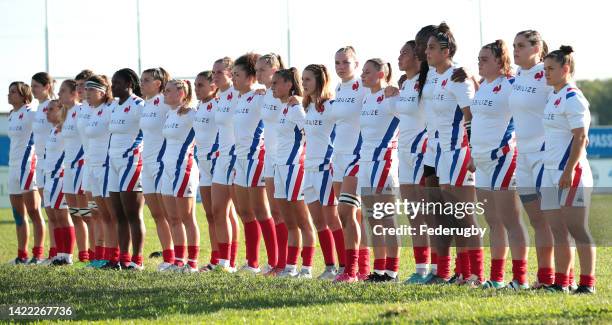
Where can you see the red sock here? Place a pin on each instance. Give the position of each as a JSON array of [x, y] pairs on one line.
[[307, 254], [444, 263], [497, 269], [587, 280], [233, 253], [114, 255], [519, 271], [292, 255], [379, 264], [52, 252], [224, 251], [179, 255], [125, 258], [137, 259], [252, 236], [477, 263], [546, 275], [326, 240], [562, 279], [214, 257], [192, 256], [100, 251], [352, 256], [364, 261], [70, 240], [339, 243], [58, 234], [571, 276], [281, 244], [392, 264], [83, 256], [22, 254], [458, 261], [464, 264], [92, 254], [421, 254], [168, 255], [37, 252], [268, 231], [433, 258]]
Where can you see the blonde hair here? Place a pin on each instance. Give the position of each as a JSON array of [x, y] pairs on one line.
[[185, 86], [63, 112], [273, 60], [383, 66], [348, 50]]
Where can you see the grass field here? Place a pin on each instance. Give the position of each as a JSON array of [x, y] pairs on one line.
[[146, 297]]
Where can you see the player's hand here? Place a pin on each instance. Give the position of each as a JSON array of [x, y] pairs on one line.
[[294, 100], [459, 75], [565, 181], [260, 91], [183, 110], [471, 166], [391, 91]]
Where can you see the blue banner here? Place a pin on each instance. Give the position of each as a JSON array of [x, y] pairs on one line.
[[600, 142]]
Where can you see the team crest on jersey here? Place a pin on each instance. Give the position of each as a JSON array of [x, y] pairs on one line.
[[45, 109], [100, 113], [127, 109], [56, 131], [416, 86], [286, 110], [380, 99], [356, 85], [444, 83], [156, 101], [209, 107], [538, 76], [21, 116], [557, 102], [73, 114], [320, 108], [230, 96], [249, 99], [496, 89]]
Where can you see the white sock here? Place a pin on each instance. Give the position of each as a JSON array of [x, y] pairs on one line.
[[392, 274], [422, 269]]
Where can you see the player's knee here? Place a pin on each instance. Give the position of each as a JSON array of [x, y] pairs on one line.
[[19, 219]]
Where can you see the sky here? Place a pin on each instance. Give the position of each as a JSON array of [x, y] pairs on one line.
[[186, 36]]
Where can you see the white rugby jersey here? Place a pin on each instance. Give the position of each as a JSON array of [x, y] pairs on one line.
[[54, 154], [320, 132], [73, 146], [21, 136], [83, 116], [206, 133], [179, 134], [289, 131], [427, 102], [527, 101], [151, 122], [270, 110], [448, 99], [126, 136], [565, 110], [492, 123], [411, 115], [224, 118], [98, 135], [248, 126], [345, 111], [41, 128], [379, 128]]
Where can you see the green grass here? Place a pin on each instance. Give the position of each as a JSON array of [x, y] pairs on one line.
[[146, 297]]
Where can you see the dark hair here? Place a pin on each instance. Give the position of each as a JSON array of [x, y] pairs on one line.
[[208, 76], [534, 38], [247, 63], [422, 37], [564, 56], [445, 37], [160, 74], [130, 76], [71, 83], [412, 45], [23, 89], [322, 91], [292, 74], [84, 74], [273, 60], [103, 80], [45, 79], [500, 51], [383, 66]]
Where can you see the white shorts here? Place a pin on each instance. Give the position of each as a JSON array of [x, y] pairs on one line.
[[180, 181], [84, 179], [288, 181], [431, 152], [345, 165], [452, 168], [22, 179], [529, 172], [225, 171], [378, 177], [124, 174], [496, 174], [73, 178], [318, 185], [40, 175], [207, 169], [249, 173], [53, 193], [411, 168], [578, 195], [150, 177], [268, 166], [97, 180]]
